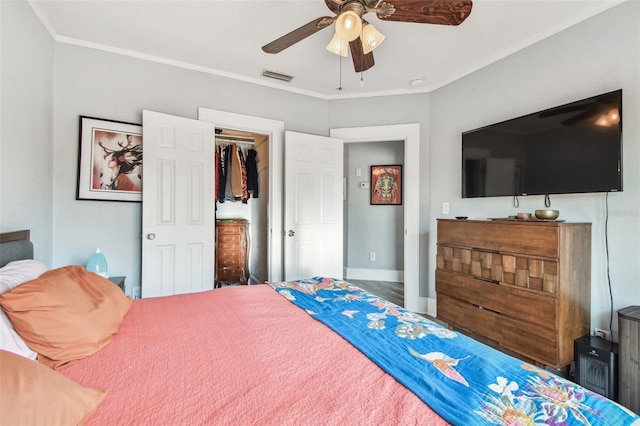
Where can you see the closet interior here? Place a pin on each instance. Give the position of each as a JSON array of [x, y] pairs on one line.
[[242, 199]]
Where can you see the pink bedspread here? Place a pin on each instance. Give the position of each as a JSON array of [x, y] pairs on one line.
[[239, 355]]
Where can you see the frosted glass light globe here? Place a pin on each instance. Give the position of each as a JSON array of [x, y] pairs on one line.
[[348, 26]]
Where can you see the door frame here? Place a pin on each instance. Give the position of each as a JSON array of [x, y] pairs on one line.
[[275, 130], [410, 134]]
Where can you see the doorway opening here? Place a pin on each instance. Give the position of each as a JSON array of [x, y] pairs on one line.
[[410, 134], [373, 233], [253, 210]]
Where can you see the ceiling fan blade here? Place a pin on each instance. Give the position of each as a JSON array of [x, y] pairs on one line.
[[361, 61], [298, 34], [440, 12]]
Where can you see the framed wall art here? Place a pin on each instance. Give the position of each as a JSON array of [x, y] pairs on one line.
[[386, 185], [110, 160]]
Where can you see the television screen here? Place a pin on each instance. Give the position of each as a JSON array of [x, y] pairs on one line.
[[573, 148]]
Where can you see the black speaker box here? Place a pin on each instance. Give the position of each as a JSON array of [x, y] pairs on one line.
[[596, 365]]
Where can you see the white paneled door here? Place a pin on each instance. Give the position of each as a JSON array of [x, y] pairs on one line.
[[313, 206], [177, 205]]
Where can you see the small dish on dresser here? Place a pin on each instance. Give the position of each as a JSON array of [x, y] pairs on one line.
[[547, 214], [462, 217]]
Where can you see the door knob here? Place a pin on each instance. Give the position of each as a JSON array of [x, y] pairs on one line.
[[151, 236], [291, 232]]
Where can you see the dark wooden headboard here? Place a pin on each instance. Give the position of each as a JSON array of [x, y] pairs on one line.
[[15, 246]]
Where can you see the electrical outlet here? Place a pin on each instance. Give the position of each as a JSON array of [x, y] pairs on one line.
[[602, 334], [372, 256], [445, 208], [136, 292]]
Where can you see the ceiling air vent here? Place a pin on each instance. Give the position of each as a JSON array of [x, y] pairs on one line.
[[277, 75]]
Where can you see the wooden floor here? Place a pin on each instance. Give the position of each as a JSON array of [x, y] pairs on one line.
[[392, 291]]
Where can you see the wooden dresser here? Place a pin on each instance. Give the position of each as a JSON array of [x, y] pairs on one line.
[[521, 286], [232, 250]]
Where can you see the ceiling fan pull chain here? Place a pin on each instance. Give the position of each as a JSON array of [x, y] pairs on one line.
[[340, 71], [361, 79]]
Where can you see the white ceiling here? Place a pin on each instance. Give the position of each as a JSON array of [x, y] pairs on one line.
[[225, 38]]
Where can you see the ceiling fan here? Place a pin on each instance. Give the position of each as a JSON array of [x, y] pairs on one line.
[[361, 36]]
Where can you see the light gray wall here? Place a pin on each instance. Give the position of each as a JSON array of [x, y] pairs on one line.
[[99, 84], [377, 229], [26, 136], [597, 56]]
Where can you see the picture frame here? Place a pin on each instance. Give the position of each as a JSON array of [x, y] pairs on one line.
[[386, 185], [109, 160]]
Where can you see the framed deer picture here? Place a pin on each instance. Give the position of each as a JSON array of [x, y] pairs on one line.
[[110, 163]]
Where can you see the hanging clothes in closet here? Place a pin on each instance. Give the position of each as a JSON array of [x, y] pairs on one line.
[[252, 171], [235, 176]]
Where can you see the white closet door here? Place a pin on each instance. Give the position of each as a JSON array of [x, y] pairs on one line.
[[177, 205]]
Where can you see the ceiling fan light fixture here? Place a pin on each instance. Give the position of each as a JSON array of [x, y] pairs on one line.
[[348, 25], [609, 119], [338, 46], [371, 37]]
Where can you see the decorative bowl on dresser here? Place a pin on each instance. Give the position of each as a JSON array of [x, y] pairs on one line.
[[232, 251], [521, 286]]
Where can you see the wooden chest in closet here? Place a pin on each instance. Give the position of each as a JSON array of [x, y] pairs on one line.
[[232, 250]]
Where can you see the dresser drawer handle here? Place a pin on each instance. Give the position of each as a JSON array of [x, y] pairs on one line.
[[487, 280]]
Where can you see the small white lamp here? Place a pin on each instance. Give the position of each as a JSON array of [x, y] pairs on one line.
[[98, 263]]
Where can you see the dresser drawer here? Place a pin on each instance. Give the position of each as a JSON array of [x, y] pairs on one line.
[[229, 261], [536, 309], [231, 229], [522, 271], [533, 239], [228, 245], [230, 273], [537, 343], [229, 238]]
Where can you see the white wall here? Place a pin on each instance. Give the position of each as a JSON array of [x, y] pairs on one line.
[[597, 56], [26, 136], [104, 85]]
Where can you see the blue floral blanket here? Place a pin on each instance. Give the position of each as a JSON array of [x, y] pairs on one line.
[[464, 381]]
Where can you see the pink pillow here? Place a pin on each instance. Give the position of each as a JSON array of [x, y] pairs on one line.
[[66, 313], [33, 394]]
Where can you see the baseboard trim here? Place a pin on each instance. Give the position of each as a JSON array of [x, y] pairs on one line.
[[432, 308], [374, 274]]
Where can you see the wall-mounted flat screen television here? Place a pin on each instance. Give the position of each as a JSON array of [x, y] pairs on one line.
[[573, 148]]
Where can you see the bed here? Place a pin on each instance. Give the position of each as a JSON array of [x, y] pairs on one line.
[[316, 351]]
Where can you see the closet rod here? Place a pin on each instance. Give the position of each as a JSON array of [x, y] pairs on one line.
[[235, 139]]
